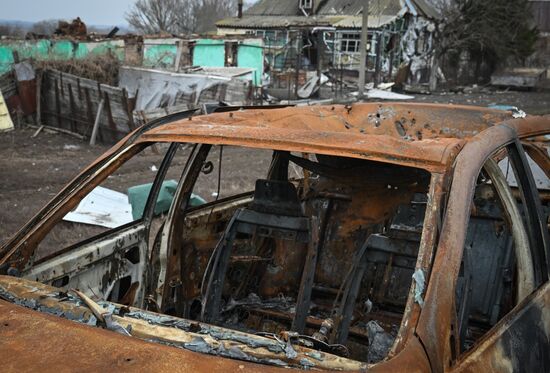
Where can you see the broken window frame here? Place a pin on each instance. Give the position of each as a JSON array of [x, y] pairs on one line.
[[113, 243], [522, 251], [437, 317], [350, 42], [179, 209], [532, 222]]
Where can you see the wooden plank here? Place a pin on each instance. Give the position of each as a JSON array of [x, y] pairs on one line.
[[72, 108], [131, 123], [109, 112], [40, 128], [38, 98], [61, 83], [79, 89], [89, 111], [61, 130], [58, 105], [96, 124], [65, 117]]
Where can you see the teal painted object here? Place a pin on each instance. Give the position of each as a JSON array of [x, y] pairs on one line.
[[160, 55], [502, 107], [6, 59], [45, 49], [251, 54], [62, 50], [209, 53], [137, 196]]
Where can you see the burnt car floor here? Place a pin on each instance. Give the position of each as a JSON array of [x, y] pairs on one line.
[[381, 237]]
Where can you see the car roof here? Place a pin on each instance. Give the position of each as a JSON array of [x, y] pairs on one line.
[[419, 135]]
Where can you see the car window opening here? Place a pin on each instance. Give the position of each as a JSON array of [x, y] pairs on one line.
[[324, 247]]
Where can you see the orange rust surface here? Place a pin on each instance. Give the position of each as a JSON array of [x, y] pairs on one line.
[[32, 341], [423, 135]]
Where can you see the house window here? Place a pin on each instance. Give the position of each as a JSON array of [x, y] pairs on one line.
[[306, 4], [350, 42]]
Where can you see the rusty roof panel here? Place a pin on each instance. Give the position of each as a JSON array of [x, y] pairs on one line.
[[416, 135]]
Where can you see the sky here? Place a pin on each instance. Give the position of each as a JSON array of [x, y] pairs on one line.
[[92, 12]]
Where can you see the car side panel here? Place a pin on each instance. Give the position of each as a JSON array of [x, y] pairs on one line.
[[520, 342]]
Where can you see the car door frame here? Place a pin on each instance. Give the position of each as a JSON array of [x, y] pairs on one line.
[[96, 264], [437, 316]]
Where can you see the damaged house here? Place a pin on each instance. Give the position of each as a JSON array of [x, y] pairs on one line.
[[325, 35]]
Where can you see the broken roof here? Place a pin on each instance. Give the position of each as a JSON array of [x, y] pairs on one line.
[[286, 13], [417, 135], [341, 22], [342, 7]]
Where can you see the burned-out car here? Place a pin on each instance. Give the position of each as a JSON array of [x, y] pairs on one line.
[[371, 237]]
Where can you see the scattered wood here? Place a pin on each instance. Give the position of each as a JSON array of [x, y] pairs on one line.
[[60, 130], [40, 128]]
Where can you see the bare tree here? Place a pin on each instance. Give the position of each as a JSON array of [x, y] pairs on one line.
[[14, 30], [210, 11], [154, 16], [186, 22], [45, 27], [489, 30], [178, 16]]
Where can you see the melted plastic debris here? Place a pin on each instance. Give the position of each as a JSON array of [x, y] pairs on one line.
[[315, 355], [306, 364], [380, 342], [419, 281], [518, 113]]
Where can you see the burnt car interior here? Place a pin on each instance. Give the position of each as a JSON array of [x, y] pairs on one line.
[[328, 257]]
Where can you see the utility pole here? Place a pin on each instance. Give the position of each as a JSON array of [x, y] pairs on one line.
[[363, 48]]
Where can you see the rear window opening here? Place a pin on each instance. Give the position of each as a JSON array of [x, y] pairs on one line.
[[324, 247]]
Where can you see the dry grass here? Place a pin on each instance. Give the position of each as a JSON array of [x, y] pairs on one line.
[[103, 69]]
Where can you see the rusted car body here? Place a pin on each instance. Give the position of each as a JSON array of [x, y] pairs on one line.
[[401, 246]]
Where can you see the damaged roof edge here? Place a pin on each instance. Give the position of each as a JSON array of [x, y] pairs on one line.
[[173, 331], [417, 135]]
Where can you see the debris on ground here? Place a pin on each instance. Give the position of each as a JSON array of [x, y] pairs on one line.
[[519, 77], [380, 342], [103, 207]]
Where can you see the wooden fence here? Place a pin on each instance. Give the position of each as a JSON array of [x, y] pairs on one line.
[[71, 103]]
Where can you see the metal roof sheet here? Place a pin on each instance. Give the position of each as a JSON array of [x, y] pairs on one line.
[[356, 22], [339, 7], [265, 22], [274, 8], [418, 135], [285, 13]]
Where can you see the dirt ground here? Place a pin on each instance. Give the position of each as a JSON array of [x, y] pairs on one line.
[[536, 103], [33, 170]]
